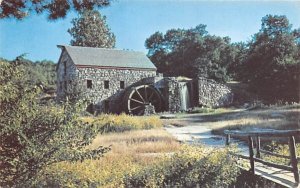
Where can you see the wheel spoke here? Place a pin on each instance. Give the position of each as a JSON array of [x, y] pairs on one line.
[[145, 91], [137, 107], [151, 96], [136, 101], [140, 95]]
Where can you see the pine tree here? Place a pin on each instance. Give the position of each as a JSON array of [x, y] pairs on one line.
[[91, 30]]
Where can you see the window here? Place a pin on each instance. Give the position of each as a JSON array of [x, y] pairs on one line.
[[65, 67], [122, 84], [89, 84], [106, 84]]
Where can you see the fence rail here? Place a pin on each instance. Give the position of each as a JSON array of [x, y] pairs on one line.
[[290, 134]]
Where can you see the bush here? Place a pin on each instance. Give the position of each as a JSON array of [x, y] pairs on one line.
[[33, 136], [190, 167], [105, 172], [123, 122]]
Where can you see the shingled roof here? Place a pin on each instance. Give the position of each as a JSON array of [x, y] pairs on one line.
[[103, 57]]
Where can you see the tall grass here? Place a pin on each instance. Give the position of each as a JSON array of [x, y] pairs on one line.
[[123, 122], [130, 152], [189, 166], [272, 117], [144, 158]]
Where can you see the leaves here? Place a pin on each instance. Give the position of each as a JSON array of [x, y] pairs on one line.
[[91, 30], [272, 63], [33, 136], [20, 9], [192, 52]]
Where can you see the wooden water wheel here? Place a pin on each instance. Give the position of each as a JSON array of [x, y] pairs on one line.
[[138, 97]]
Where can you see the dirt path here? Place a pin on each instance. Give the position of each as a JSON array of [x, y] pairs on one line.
[[196, 129]]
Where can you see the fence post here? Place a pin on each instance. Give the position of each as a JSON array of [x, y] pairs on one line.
[[251, 154], [294, 161], [227, 139], [258, 147]]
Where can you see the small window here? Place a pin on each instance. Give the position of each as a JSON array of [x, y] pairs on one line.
[[106, 105], [89, 84], [106, 84], [65, 67], [122, 84]]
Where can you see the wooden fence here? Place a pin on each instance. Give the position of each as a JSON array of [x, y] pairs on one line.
[[290, 134]]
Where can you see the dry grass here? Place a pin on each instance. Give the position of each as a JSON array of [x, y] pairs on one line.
[[283, 117], [130, 152], [123, 122], [136, 142]]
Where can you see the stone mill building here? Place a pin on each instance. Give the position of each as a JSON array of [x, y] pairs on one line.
[[126, 81]]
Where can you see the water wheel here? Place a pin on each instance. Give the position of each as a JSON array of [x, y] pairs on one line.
[[138, 97]]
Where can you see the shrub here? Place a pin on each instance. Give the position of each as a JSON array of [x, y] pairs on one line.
[[32, 136], [190, 167], [105, 172]]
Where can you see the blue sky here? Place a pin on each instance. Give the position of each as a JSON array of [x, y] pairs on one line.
[[132, 21]]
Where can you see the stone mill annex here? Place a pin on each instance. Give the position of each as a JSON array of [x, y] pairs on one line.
[[115, 81]]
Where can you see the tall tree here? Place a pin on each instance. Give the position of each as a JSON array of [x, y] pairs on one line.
[[192, 52], [91, 30], [272, 63], [56, 8]]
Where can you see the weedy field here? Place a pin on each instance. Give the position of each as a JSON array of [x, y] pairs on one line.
[[280, 117], [264, 117], [142, 155]]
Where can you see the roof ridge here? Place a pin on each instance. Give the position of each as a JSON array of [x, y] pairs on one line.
[[109, 49], [107, 57]]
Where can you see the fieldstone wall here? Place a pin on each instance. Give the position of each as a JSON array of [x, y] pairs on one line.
[[213, 94], [173, 95], [74, 80], [174, 92], [112, 96], [105, 88], [66, 75]]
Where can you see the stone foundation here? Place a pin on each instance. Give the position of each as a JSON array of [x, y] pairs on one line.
[[213, 94]]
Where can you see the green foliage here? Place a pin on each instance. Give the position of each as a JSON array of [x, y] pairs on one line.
[[33, 136], [91, 30], [39, 73], [106, 123], [89, 173], [279, 148], [193, 53], [272, 63], [190, 167], [56, 8]]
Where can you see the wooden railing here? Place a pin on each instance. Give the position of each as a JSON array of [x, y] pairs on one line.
[[290, 134]]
